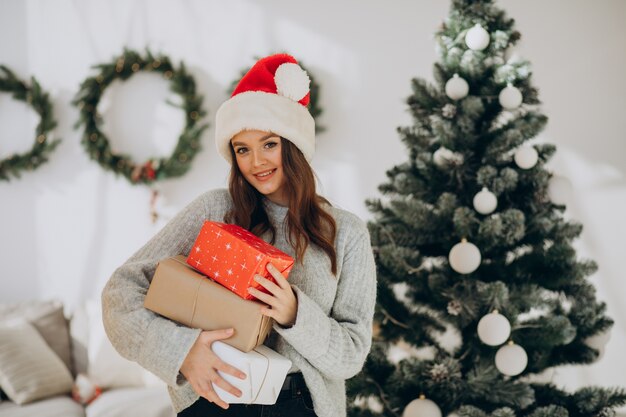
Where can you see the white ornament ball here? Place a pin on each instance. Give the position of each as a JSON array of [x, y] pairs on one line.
[[526, 157], [485, 201], [443, 156], [494, 329], [456, 87], [422, 407], [559, 190], [464, 257], [477, 38], [511, 359], [510, 97], [292, 81]]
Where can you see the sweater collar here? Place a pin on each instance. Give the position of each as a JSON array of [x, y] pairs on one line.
[[275, 211]]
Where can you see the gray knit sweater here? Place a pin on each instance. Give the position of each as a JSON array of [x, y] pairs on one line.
[[328, 342]]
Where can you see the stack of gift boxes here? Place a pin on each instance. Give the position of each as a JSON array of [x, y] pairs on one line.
[[209, 290]]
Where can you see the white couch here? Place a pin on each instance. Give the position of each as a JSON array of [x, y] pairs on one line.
[[80, 345]]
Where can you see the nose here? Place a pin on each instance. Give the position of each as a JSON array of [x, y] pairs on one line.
[[258, 158]]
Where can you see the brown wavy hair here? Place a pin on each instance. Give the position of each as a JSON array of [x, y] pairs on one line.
[[307, 220]]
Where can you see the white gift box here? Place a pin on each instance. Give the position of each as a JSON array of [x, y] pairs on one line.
[[265, 371]]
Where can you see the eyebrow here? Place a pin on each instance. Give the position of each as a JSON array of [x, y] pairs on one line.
[[264, 138]]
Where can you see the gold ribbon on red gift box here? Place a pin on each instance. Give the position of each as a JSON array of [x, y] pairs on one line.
[[232, 256]]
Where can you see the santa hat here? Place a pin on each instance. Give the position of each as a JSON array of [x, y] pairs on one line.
[[272, 97]]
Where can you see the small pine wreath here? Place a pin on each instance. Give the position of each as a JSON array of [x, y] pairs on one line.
[[314, 107], [38, 99], [97, 144]]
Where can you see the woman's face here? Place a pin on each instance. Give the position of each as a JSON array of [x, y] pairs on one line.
[[258, 155]]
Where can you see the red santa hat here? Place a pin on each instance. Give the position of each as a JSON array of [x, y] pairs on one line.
[[272, 97]]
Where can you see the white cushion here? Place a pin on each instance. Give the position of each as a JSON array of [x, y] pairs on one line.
[[29, 368], [52, 407], [124, 402]]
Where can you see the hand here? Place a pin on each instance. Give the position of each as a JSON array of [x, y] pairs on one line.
[[282, 301], [201, 365]]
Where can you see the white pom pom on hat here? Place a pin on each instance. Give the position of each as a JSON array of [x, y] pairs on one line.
[[292, 81], [272, 96]]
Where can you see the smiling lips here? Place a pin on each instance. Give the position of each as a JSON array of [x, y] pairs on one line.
[[264, 176]]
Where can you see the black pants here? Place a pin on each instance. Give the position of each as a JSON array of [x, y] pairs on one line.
[[292, 402]]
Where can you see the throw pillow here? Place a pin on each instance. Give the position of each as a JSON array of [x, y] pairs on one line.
[[47, 317], [29, 369]]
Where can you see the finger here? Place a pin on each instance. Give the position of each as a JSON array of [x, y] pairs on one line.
[[211, 336], [218, 401], [205, 390], [229, 369], [223, 384], [269, 285], [212, 396], [278, 276], [266, 298], [269, 312], [222, 404]]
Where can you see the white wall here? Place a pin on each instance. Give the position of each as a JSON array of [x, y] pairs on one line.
[[66, 226]]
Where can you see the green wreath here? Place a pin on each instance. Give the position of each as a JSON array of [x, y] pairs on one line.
[[97, 144], [40, 102], [314, 107]]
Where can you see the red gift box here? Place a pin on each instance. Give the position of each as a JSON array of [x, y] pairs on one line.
[[232, 256]]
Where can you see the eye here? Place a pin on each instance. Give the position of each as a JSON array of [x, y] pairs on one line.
[[241, 150], [270, 144]]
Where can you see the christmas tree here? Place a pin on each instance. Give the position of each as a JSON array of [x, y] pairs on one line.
[[480, 289]]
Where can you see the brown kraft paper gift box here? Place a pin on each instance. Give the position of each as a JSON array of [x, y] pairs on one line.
[[181, 294]]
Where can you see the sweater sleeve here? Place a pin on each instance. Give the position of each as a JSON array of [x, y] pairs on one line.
[[157, 344], [337, 345]]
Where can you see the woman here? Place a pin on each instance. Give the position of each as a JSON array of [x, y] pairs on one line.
[[323, 314]]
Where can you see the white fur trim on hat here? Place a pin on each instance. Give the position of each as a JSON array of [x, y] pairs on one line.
[[258, 110]]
